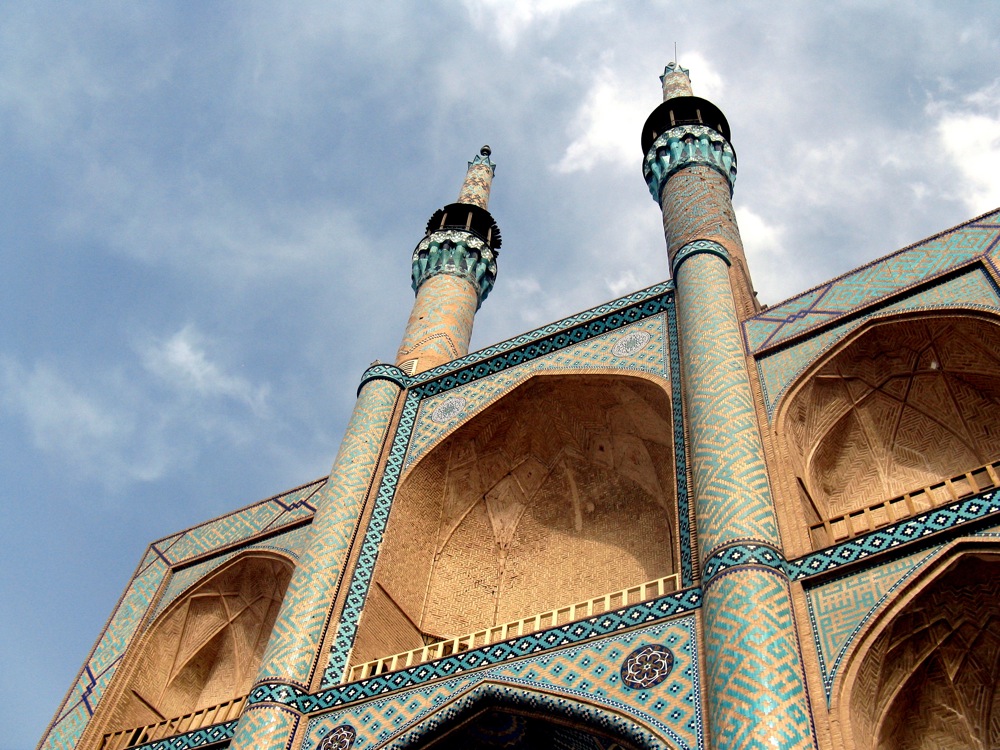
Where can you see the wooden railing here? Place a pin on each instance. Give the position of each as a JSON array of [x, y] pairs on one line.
[[204, 717], [532, 624], [910, 504]]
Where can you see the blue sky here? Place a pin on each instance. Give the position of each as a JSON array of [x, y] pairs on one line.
[[208, 209]]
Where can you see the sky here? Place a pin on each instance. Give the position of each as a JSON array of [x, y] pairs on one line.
[[207, 212]]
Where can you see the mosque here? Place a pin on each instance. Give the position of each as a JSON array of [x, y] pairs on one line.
[[677, 520]]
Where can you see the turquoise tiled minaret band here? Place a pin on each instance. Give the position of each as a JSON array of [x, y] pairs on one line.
[[751, 649]]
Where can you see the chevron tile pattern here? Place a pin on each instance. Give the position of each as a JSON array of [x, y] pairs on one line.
[[692, 203], [365, 566], [875, 281], [292, 650], [756, 669], [729, 475], [265, 726], [440, 325]]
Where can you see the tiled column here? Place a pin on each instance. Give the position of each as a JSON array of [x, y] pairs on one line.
[[755, 685], [292, 654]]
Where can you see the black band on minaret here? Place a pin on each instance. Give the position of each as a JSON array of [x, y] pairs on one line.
[[683, 110], [470, 218]]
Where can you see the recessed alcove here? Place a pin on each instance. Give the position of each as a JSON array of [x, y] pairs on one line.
[[204, 650], [561, 491], [904, 405], [929, 679]]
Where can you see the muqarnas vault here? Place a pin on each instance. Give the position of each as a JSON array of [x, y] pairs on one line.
[[677, 520]]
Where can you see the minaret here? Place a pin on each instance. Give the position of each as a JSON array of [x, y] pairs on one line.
[[755, 684], [454, 268]]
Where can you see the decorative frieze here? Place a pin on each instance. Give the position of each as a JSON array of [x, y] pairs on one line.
[[457, 253], [687, 146]]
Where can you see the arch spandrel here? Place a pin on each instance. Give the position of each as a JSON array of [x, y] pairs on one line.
[[637, 350], [903, 404], [561, 491], [925, 673]]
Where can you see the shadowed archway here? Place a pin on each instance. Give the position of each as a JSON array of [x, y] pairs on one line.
[[930, 678]]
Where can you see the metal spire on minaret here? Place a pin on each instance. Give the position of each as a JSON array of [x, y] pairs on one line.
[[454, 268]]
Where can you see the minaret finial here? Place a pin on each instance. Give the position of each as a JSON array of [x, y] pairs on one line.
[[676, 81], [479, 178]]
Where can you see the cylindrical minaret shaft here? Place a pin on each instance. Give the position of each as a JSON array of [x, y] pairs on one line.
[[755, 684], [454, 268], [293, 657]]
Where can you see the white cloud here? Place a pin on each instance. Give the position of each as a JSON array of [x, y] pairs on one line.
[[775, 275], [95, 432], [511, 18], [606, 127], [970, 138], [181, 362]]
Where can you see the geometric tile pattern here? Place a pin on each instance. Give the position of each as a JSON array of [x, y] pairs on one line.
[[596, 354], [685, 513], [581, 683], [839, 609], [291, 543], [230, 530], [575, 331], [938, 524], [754, 668], [874, 281], [572, 633], [440, 324], [364, 568], [729, 475], [972, 289], [243, 524], [199, 738], [558, 335], [752, 661], [292, 650], [734, 555], [272, 727]]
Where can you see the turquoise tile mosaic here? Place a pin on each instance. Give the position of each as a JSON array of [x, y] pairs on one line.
[[637, 322], [581, 683], [973, 289], [890, 275], [229, 531]]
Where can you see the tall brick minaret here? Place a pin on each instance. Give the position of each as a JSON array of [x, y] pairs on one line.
[[754, 681], [454, 268]]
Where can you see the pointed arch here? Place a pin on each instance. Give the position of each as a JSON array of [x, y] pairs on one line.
[[474, 713], [902, 404], [925, 672], [560, 491], [205, 647]]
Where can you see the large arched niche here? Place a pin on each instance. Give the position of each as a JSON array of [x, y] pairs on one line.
[[561, 491], [901, 405], [926, 675], [206, 647]]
